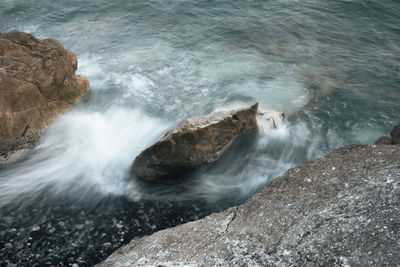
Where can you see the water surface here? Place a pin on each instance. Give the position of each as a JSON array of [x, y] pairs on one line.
[[332, 67]]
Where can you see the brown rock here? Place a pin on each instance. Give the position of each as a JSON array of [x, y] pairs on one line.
[[193, 143], [339, 210], [37, 83]]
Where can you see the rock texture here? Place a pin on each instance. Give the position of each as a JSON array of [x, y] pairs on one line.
[[383, 140], [343, 210], [395, 134], [393, 139], [37, 83], [193, 143]]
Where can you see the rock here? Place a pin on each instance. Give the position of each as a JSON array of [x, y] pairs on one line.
[[342, 209], [396, 135], [37, 83], [394, 139], [383, 140], [193, 143]]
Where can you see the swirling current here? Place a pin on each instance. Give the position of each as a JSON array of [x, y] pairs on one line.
[[333, 67]]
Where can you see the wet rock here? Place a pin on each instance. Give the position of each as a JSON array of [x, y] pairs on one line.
[[395, 134], [37, 83], [394, 139], [342, 209], [35, 228], [383, 140], [193, 143], [79, 226]]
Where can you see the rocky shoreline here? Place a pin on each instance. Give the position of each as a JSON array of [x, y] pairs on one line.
[[342, 209]]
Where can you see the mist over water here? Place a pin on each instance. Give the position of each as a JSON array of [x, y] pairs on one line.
[[332, 68], [84, 153]]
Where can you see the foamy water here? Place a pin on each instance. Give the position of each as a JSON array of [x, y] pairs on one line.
[[84, 153], [331, 67]]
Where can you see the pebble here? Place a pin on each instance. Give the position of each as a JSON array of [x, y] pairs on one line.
[[79, 226], [63, 235]]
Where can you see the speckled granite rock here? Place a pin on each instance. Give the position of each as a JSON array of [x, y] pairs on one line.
[[343, 209], [193, 143], [37, 83]]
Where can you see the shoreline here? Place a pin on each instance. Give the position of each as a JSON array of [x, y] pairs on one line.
[[328, 210]]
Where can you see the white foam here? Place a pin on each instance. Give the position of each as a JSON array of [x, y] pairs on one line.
[[84, 153]]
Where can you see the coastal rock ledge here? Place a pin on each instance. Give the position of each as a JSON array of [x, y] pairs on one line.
[[193, 143], [342, 209], [37, 83]]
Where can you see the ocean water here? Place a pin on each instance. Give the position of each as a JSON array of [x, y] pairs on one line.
[[333, 68]]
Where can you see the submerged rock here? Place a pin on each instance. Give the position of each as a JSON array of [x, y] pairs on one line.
[[342, 209], [37, 83], [193, 143]]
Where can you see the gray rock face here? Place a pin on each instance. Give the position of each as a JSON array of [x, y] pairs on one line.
[[37, 83], [193, 143], [343, 209]]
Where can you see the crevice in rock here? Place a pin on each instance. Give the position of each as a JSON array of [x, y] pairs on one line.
[[313, 229], [234, 213]]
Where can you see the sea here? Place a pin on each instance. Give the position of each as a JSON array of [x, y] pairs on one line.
[[332, 67]]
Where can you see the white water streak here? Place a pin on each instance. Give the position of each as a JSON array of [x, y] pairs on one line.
[[84, 152]]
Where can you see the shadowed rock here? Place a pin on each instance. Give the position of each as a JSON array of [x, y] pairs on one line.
[[37, 83], [395, 134], [193, 143], [393, 139], [339, 210], [383, 140]]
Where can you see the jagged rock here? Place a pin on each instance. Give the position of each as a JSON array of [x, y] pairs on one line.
[[395, 134], [342, 209], [193, 143], [37, 83]]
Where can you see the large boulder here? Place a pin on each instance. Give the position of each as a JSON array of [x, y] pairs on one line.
[[37, 83], [340, 210], [193, 143]]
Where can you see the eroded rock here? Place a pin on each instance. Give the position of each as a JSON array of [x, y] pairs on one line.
[[193, 143], [342, 209], [37, 83]]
